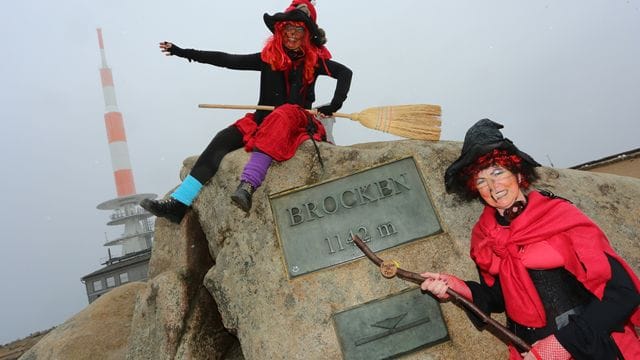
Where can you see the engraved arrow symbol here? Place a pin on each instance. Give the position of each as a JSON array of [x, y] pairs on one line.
[[392, 325], [391, 322]]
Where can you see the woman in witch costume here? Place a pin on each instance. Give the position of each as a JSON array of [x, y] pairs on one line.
[[289, 65], [541, 260]]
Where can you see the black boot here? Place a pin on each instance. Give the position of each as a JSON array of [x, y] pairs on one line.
[[170, 208], [242, 196]]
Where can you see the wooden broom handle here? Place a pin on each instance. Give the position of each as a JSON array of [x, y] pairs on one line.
[[257, 107], [418, 279]]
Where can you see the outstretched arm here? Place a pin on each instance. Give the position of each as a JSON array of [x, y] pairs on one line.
[[215, 58]]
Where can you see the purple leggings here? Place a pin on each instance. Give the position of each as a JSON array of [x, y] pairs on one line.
[[256, 169]]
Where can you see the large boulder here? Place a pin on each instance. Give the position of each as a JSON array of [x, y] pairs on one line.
[[219, 288], [175, 317], [280, 318], [100, 331]]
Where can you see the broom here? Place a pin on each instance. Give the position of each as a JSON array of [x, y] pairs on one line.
[[419, 121]]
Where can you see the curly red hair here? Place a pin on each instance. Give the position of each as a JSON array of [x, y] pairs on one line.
[[501, 158], [275, 55]]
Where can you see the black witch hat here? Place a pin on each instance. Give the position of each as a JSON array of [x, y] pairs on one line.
[[303, 11], [482, 138]]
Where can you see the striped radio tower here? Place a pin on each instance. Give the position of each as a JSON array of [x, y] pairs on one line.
[[138, 228]]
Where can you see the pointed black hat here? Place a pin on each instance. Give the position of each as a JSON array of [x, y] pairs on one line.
[[299, 10], [481, 138]]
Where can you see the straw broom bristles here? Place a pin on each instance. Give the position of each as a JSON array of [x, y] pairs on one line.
[[419, 121]]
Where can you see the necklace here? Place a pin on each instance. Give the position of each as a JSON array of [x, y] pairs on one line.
[[514, 210]]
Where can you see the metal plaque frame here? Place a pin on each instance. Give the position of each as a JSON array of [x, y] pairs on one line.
[[386, 205], [386, 328]]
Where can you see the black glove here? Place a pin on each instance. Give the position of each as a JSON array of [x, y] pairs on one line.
[[327, 110], [176, 50]]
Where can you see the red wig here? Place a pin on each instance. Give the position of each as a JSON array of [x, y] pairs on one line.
[[275, 55], [501, 158]]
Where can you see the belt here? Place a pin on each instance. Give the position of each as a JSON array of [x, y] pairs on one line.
[[531, 335]]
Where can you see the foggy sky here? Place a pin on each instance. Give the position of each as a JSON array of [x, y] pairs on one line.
[[562, 76]]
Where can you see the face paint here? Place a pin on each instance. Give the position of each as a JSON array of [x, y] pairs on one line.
[[292, 36], [498, 187]]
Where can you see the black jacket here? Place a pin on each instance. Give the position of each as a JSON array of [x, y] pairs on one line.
[[273, 84]]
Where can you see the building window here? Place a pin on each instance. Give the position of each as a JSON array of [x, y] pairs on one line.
[[111, 281], [124, 277], [97, 285]]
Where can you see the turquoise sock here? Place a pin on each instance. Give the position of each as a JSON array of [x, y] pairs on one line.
[[187, 191]]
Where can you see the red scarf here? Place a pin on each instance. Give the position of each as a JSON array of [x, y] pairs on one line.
[[579, 240]]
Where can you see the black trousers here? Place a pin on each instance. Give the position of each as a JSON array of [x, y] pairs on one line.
[[224, 142]]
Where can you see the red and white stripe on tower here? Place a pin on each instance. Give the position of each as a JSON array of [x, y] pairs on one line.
[[115, 130]]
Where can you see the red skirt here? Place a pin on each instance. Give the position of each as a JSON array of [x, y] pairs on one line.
[[280, 133]]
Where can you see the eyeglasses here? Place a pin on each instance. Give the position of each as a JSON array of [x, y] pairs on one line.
[[496, 173], [295, 29]]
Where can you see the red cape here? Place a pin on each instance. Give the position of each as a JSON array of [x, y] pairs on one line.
[[577, 238]]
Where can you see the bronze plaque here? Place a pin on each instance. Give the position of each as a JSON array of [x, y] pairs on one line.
[[390, 327], [385, 206]]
